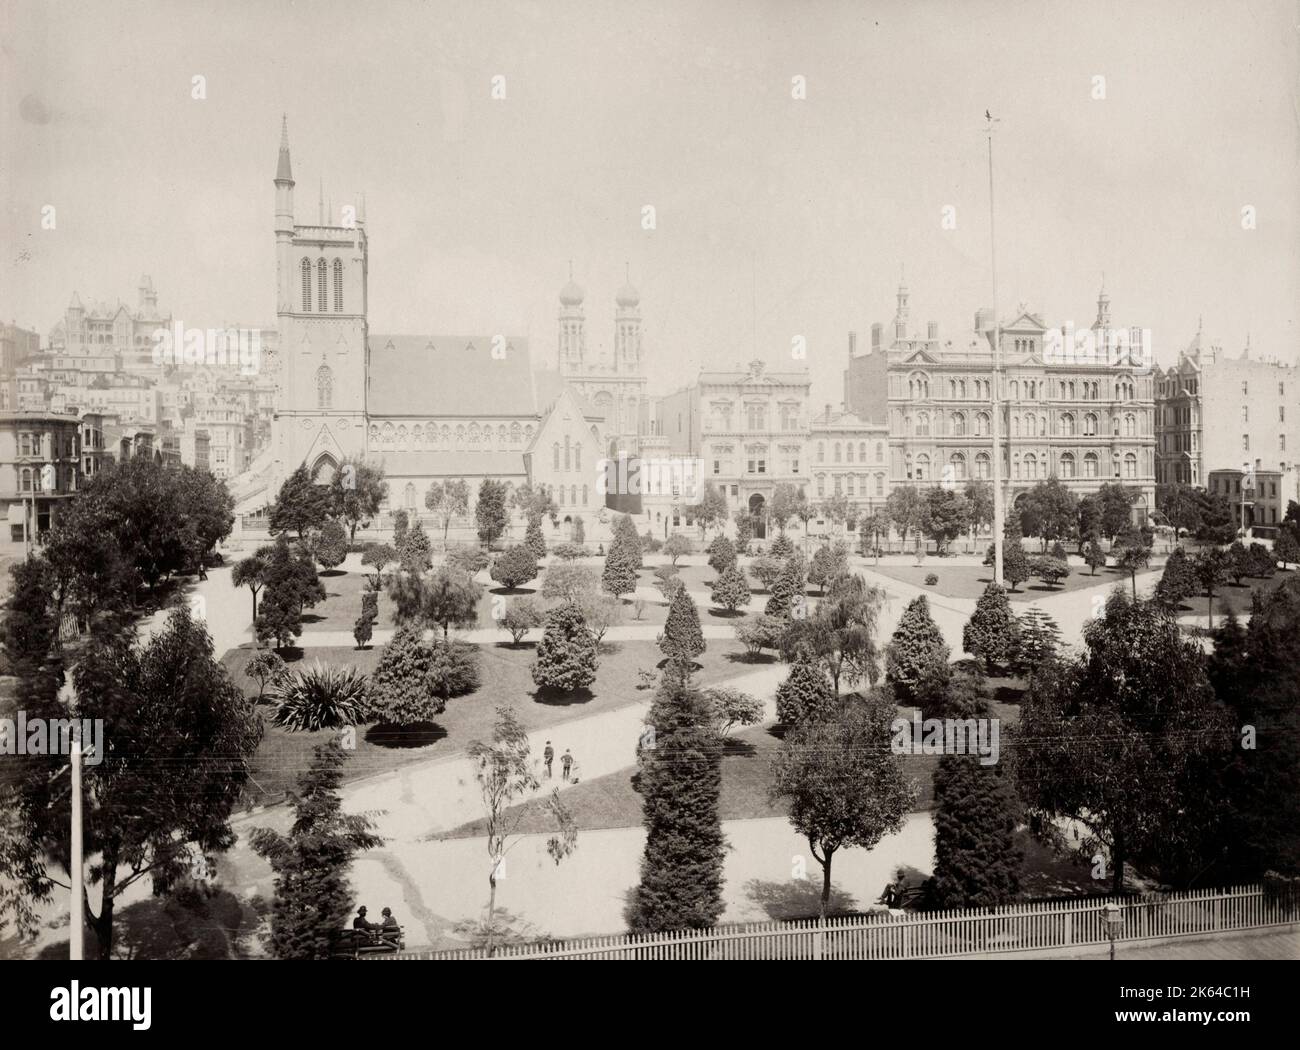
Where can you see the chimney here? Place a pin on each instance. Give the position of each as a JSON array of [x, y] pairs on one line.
[[828, 411], [932, 331], [853, 343], [875, 336]]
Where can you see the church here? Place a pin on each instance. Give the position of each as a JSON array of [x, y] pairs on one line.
[[431, 408]]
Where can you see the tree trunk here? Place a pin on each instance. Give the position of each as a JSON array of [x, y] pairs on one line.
[[103, 922], [1209, 606], [1117, 866], [492, 903], [826, 885], [1134, 577]]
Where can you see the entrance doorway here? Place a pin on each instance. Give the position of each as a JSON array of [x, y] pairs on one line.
[[758, 511]]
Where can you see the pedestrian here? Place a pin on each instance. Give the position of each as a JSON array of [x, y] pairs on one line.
[[548, 756], [566, 760]]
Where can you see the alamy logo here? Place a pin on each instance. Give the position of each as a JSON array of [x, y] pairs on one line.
[[680, 477], [946, 736], [52, 736], [102, 1004], [212, 347]]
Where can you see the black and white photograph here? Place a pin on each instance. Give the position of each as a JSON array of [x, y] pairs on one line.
[[650, 480]]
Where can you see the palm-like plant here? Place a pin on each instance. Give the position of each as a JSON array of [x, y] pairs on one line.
[[319, 698]]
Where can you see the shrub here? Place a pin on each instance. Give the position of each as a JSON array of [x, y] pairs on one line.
[[649, 544], [571, 551], [467, 558], [1049, 569], [931, 579], [1178, 581], [782, 546], [567, 581], [1094, 556], [730, 589], [522, 615], [917, 656], [266, 666], [762, 632], [319, 697], [416, 551], [601, 612], [677, 546], [722, 554], [399, 688], [566, 655], [363, 629], [1261, 561], [667, 580], [805, 694], [766, 570], [332, 545], [534, 540], [514, 566], [682, 639], [453, 668], [787, 591], [730, 708], [1039, 640]]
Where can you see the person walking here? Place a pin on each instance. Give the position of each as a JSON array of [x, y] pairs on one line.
[[548, 756], [566, 761]]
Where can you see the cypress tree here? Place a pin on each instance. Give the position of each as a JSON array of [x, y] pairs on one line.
[[806, 694], [534, 540], [682, 639], [566, 655], [680, 781], [1178, 581], [785, 589], [977, 858], [916, 661], [990, 633]]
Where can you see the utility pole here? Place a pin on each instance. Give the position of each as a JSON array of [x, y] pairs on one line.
[[76, 929], [996, 429]]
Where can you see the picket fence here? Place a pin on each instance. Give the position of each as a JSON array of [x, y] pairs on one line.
[[928, 935]]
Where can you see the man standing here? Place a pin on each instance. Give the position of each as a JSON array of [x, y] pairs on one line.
[[548, 756], [566, 760]]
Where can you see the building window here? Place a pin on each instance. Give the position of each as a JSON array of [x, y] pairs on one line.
[[837, 452], [821, 452], [1245, 442], [1067, 465], [568, 454], [1245, 414], [1130, 466], [338, 286], [758, 466], [959, 424], [322, 291], [880, 484], [305, 267], [756, 417], [838, 482], [1067, 424], [922, 467], [821, 484], [555, 456], [1245, 388], [958, 464], [717, 466], [923, 424], [848, 451], [880, 451], [789, 417], [324, 387], [982, 466]]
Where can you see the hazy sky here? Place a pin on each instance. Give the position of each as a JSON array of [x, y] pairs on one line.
[[807, 208]]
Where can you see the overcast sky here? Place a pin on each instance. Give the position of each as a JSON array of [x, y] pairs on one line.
[[776, 217]]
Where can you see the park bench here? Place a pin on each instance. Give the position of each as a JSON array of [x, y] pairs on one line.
[[353, 944]]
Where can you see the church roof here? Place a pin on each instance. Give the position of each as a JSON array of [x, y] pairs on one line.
[[449, 375], [451, 463]]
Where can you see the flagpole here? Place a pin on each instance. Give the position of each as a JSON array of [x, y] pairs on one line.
[[996, 429]]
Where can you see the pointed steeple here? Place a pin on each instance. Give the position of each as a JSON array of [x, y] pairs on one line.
[[320, 205], [284, 170]]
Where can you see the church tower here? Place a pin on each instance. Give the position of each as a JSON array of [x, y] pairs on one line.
[[321, 273], [573, 338], [627, 329]]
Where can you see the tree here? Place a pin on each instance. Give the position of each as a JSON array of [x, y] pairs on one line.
[[730, 589], [312, 894], [903, 507], [377, 557], [805, 694], [522, 615], [1050, 511], [682, 639], [1050, 570], [990, 634], [875, 527], [1262, 562], [1116, 509], [416, 552], [834, 509], [536, 502], [730, 707], [490, 516], [1238, 562], [356, 493], [1217, 522], [267, 667], [250, 572], [830, 561], [1181, 505], [842, 788], [566, 655], [626, 541], [623, 559], [676, 546], [711, 511], [400, 692], [363, 629], [165, 704], [280, 621], [534, 541], [781, 549], [802, 508], [1015, 563], [600, 612], [1088, 525], [453, 668], [1038, 640], [722, 554], [1133, 555], [1178, 581], [1119, 734], [514, 567], [504, 772], [466, 558], [783, 504], [1287, 546], [916, 660], [787, 592], [766, 570], [759, 633], [840, 634], [318, 698], [447, 500], [291, 586], [1211, 572], [448, 598], [979, 501], [945, 515], [401, 522], [1093, 556], [332, 546], [300, 505], [570, 581], [579, 531], [207, 513], [680, 781]]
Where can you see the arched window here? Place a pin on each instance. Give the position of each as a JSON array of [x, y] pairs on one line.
[[1067, 464], [821, 452], [923, 424], [862, 451], [848, 451], [584, 495], [1067, 424], [1090, 465], [501, 434], [27, 479], [324, 387], [460, 434], [555, 456], [445, 436], [880, 484], [1130, 465], [1015, 426], [568, 454], [389, 432], [880, 451], [952, 389], [1130, 426], [1042, 426], [1031, 464], [958, 463], [837, 452], [573, 495], [961, 389], [982, 466], [528, 432], [577, 458], [959, 423], [306, 284], [982, 424], [922, 470], [322, 291], [1015, 390], [516, 433], [410, 495], [338, 286], [401, 435], [1090, 425]]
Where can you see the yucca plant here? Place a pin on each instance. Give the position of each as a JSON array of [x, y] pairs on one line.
[[319, 698]]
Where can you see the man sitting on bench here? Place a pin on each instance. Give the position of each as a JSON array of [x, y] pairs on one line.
[[364, 925], [389, 932]]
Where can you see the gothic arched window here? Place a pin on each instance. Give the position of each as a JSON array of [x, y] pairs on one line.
[[338, 286], [322, 291], [324, 387], [306, 284]]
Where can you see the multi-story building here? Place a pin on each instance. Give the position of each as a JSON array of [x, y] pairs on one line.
[[849, 456], [1258, 498], [100, 329], [1215, 412], [40, 469], [17, 345], [1083, 417], [750, 429]]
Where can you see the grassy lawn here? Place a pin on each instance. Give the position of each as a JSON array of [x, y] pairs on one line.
[[1231, 597], [969, 581], [505, 677]]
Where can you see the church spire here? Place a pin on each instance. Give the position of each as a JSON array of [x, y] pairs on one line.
[[283, 169]]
